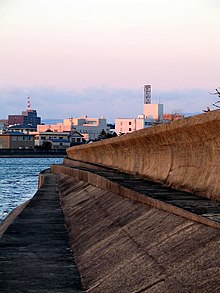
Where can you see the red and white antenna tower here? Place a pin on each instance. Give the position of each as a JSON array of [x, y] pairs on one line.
[[29, 104]]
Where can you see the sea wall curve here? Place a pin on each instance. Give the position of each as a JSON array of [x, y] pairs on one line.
[[183, 154]]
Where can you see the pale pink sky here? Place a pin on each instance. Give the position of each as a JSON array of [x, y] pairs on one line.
[[74, 45]]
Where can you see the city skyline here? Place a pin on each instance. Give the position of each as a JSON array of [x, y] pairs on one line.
[[93, 57]]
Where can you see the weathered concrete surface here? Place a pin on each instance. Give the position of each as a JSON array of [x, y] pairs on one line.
[[184, 154], [11, 217], [122, 245], [35, 254], [200, 209]]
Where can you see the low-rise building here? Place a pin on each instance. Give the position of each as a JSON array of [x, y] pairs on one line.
[[58, 140], [153, 112], [127, 125], [16, 140], [59, 143], [22, 128], [90, 128]]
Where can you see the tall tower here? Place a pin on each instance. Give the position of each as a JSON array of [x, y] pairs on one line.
[[29, 104], [147, 94]]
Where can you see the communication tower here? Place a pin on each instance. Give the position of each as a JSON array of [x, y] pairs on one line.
[[29, 104], [147, 94]]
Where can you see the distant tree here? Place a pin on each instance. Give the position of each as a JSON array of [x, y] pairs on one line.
[[111, 126], [47, 145], [177, 114], [102, 135], [105, 135], [217, 103], [110, 135]]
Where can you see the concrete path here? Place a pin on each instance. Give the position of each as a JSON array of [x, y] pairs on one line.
[[35, 255], [198, 205]]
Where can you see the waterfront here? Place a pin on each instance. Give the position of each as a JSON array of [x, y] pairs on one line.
[[19, 180]]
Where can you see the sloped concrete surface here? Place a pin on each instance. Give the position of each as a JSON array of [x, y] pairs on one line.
[[185, 204], [121, 245], [184, 154], [35, 254]]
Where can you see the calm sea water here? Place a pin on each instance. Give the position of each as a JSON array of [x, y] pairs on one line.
[[19, 180]]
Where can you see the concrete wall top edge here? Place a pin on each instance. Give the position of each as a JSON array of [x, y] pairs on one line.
[[166, 127]]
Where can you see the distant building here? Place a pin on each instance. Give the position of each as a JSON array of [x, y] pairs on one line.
[[76, 138], [172, 117], [28, 117], [15, 119], [16, 140], [3, 125], [31, 118], [4, 122], [152, 113], [22, 128], [59, 140], [89, 128], [127, 125]]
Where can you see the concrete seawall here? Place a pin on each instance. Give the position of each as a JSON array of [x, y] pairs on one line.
[[139, 237], [184, 154], [119, 243], [189, 206], [122, 245], [35, 255]]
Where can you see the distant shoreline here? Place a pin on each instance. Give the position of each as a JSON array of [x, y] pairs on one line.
[[32, 156], [32, 153]]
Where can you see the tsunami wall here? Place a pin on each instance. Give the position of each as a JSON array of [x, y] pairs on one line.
[[183, 154]]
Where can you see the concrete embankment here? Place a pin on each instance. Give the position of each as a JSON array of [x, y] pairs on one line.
[[122, 245], [35, 254], [184, 154], [127, 234], [185, 204]]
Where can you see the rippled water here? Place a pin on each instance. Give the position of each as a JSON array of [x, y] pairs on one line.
[[19, 180]]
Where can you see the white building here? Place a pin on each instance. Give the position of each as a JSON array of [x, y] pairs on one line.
[[152, 113], [58, 140], [126, 125], [90, 128]]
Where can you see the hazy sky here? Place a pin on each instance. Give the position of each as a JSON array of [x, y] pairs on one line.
[[76, 57]]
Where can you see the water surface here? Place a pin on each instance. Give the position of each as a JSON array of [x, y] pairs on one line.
[[19, 180]]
